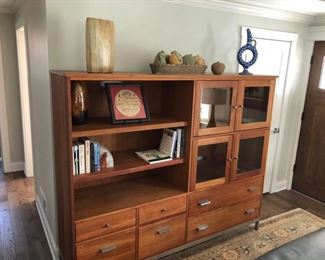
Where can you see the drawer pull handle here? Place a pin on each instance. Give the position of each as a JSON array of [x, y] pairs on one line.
[[162, 230], [249, 211], [107, 225], [107, 249], [203, 203], [202, 227], [252, 189], [163, 210]]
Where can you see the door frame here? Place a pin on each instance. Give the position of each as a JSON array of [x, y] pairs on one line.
[[315, 33], [25, 99], [281, 160]]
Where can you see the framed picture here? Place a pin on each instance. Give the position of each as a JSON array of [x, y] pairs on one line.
[[126, 103]]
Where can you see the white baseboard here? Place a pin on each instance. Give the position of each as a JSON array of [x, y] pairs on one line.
[[280, 185], [14, 167], [48, 233]]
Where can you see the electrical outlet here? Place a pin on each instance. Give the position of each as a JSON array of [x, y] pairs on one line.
[[43, 200]]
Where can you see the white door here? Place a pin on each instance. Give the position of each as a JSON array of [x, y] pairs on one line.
[[273, 59], [24, 99]]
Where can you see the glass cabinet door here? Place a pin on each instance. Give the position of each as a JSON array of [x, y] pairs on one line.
[[211, 161], [249, 156], [254, 105], [215, 107]]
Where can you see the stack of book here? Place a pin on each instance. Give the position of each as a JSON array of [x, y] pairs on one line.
[[85, 156], [171, 146]]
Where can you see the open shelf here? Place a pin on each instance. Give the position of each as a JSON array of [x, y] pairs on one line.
[[102, 126], [126, 162], [116, 196]]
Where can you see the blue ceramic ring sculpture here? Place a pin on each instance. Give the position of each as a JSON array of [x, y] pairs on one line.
[[250, 45]]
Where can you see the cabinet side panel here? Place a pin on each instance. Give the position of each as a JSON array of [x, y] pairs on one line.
[[63, 163]]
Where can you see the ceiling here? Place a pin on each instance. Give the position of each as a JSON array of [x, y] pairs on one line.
[[303, 11], [292, 10]]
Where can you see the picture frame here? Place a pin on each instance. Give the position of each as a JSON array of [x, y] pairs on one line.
[[126, 103]]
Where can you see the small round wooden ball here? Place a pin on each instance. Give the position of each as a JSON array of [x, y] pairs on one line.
[[218, 68]]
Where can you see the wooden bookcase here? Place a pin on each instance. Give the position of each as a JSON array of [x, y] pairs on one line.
[[136, 210]]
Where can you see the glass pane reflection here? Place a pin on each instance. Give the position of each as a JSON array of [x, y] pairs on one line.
[[211, 162], [255, 104], [215, 107]]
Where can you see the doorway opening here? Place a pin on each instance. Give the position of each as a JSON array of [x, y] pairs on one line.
[[24, 99], [275, 62]]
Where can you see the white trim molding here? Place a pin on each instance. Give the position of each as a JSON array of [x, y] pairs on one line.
[[247, 8], [48, 232]]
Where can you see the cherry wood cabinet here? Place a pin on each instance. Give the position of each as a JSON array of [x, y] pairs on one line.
[[136, 210]]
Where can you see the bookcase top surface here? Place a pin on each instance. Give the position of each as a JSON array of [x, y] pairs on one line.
[[136, 76]]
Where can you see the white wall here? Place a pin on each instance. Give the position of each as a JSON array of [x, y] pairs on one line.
[[10, 79], [32, 16]]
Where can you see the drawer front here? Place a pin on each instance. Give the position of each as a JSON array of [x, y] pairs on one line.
[[220, 219], [105, 224], [161, 236], [160, 209], [225, 195], [120, 245]]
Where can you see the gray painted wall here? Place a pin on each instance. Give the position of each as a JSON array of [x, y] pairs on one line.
[[33, 16], [11, 86]]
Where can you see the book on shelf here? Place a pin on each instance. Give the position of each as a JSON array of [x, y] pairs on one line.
[[169, 148], [94, 156], [86, 142]]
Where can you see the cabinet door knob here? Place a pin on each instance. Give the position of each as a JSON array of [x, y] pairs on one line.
[[107, 225], [229, 159], [162, 210], [240, 106], [107, 249], [252, 189], [203, 203], [202, 227], [249, 211], [163, 230], [234, 107], [235, 158]]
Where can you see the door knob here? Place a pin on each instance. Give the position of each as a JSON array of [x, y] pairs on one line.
[[276, 130]]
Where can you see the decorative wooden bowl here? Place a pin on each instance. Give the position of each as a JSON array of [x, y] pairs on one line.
[[177, 69]]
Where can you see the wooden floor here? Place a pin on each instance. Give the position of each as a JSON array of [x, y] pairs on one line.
[[22, 236], [21, 233]]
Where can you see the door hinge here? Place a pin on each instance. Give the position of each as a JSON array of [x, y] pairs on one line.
[[311, 59], [294, 167]]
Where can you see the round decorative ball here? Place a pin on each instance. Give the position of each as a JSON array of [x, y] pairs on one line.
[[218, 68]]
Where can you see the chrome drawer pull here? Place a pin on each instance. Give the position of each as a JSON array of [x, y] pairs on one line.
[[107, 249], [249, 211], [202, 227], [252, 189], [107, 225], [162, 230], [203, 203]]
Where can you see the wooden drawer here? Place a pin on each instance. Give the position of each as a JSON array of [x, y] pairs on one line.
[[225, 195], [119, 245], [161, 236], [220, 219], [104, 224], [162, 208]]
